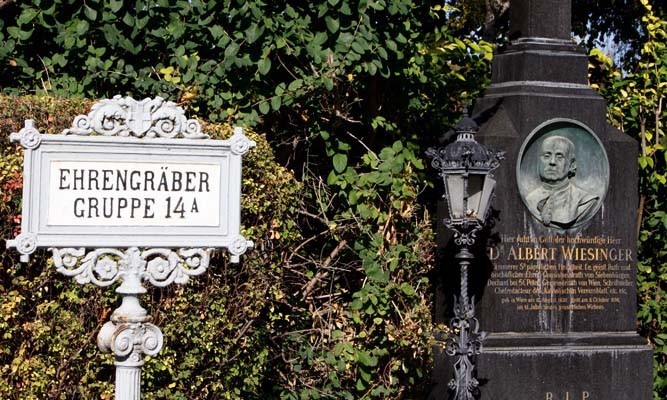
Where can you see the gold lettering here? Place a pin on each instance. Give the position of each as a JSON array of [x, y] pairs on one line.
[[616, 254], [567, 252], [628, 255], [585, 395], [604, 254], [493, 254], [527, 253]]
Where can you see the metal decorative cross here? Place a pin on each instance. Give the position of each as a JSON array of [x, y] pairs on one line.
[[150, 195]]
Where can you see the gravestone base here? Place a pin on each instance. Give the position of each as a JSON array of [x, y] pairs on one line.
[[515, 366]]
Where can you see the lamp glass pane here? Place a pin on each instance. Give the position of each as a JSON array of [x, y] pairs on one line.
[[475, 187], [454, 187], [485, 201]]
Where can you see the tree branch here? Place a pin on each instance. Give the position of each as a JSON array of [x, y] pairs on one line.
[[323, 273]]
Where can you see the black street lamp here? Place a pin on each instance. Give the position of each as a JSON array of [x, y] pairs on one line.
[[465, 167]]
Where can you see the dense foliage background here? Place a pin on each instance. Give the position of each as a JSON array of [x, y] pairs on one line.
[[335, 302]]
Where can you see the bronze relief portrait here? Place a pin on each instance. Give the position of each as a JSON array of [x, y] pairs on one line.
[[563, 174]]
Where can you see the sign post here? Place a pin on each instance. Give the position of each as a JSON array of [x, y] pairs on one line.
[[132, 192]]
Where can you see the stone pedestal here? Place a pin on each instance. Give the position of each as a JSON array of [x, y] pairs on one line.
[[575, 366]]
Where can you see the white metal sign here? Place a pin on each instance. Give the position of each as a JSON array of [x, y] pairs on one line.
[[122, 182]]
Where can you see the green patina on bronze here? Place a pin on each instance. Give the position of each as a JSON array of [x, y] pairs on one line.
[[562, 174]]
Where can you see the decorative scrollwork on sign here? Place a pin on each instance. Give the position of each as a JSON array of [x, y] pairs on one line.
[[29, 136], [26, 243], [239, 245], [125, 116], [192, 130], [240, 144], [167, 266], [103, 267]]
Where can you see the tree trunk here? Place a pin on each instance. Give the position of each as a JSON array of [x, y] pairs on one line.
[[494, 11]]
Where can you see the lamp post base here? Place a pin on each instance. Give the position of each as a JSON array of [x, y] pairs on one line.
[[467, 342]]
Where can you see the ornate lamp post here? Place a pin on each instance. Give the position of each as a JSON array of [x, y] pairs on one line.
[[465, 167]]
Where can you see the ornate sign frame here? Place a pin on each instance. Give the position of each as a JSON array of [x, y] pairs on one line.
[[130, 131]]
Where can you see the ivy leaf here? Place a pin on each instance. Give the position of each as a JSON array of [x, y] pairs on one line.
[[340, 162], [365, 375], [295, 84], [231, 50], [90, 13], [264, 107], [275, 103], [346, 38], [280, 89], [264, 65], [216, 31], [366, 359], [358, 47], [17, 33], [353, 197], [253, 33], [115, 5], [360, 385], [328, 83], [407, 289], [82, 27], [60, 60], [128, 19], [332, 24], [26, 16], [418, 163]]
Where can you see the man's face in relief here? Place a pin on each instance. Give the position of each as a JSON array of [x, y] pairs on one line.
[[555, 159]]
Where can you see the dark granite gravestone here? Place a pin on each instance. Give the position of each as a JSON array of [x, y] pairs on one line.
[[556, 289]]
